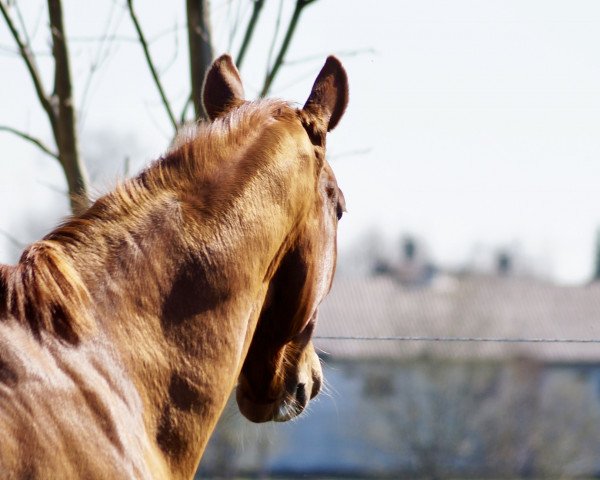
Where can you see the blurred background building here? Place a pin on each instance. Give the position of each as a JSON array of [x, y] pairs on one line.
[[473, 385]]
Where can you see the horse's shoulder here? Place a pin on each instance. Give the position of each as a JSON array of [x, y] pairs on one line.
[[74, 407]]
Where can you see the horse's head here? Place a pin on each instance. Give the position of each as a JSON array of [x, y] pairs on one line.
[[282, 372]]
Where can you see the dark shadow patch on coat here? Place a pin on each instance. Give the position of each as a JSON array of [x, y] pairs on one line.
[[192, 293]]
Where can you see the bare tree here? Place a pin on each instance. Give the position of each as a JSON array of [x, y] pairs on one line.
[[59, 106]]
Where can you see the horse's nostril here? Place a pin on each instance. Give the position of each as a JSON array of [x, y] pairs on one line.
[[316, 388], [301, 394]]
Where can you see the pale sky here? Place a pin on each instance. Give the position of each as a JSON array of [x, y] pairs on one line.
[[474, 125]]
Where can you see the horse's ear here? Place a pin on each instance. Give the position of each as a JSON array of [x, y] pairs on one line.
[[222, 87], [329, 95]]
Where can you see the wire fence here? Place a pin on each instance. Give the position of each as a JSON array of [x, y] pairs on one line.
[[455, 339]]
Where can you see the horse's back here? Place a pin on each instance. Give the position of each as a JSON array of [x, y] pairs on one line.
[[65, 412]]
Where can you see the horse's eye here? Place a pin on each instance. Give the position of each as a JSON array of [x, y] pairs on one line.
[[339, 211], [336, 198], [340, 207]]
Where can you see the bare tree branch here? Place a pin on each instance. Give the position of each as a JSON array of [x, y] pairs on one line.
[[319, 56], [29, 59], [124, 38], [25, 136], [101, 38], [160, 128], [14, 242], [275, 35], [59, 106], [37, 22], [104, 46], [22, 22], [350, 153], [256, 10], [150, 63], [53, 188], [14, 52], [234, 25], [173, 59], [300, 5], [126, 166], [166, 32], [200, 46], [186, 106], [66, 127]]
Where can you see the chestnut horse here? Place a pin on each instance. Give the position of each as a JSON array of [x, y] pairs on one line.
[[123, 331]]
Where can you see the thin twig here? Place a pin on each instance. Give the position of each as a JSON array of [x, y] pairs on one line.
[[53, 188], [234, 26], [150, 63], [38, 21], [15, 242], [256, 9], [300, 78], [29, 59], [126, 166], [165, 68], [25, 136], [9, 51], [156, 122], [125, 38], [14, 52], [341, 53], [300, 5], [186, 107], [275, 35], [94, 39], [350, 153], [95, 64], [23, 27], [165, 32]]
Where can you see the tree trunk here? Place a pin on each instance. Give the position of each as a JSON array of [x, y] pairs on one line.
[[200, 46], [65, 128]]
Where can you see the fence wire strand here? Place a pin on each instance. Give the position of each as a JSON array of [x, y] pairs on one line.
[[455, 339]]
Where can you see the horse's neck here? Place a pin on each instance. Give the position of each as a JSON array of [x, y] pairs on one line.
[[181, 301], [175, 290]]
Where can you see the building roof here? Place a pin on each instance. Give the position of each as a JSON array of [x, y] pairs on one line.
[[461, 306]]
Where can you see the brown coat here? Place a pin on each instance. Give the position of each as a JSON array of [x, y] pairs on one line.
[[123, 331]]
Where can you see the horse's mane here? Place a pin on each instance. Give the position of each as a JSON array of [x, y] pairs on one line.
[[46, 291]]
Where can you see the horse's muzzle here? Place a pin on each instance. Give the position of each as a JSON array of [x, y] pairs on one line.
[[293, 399], [294, 405]]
